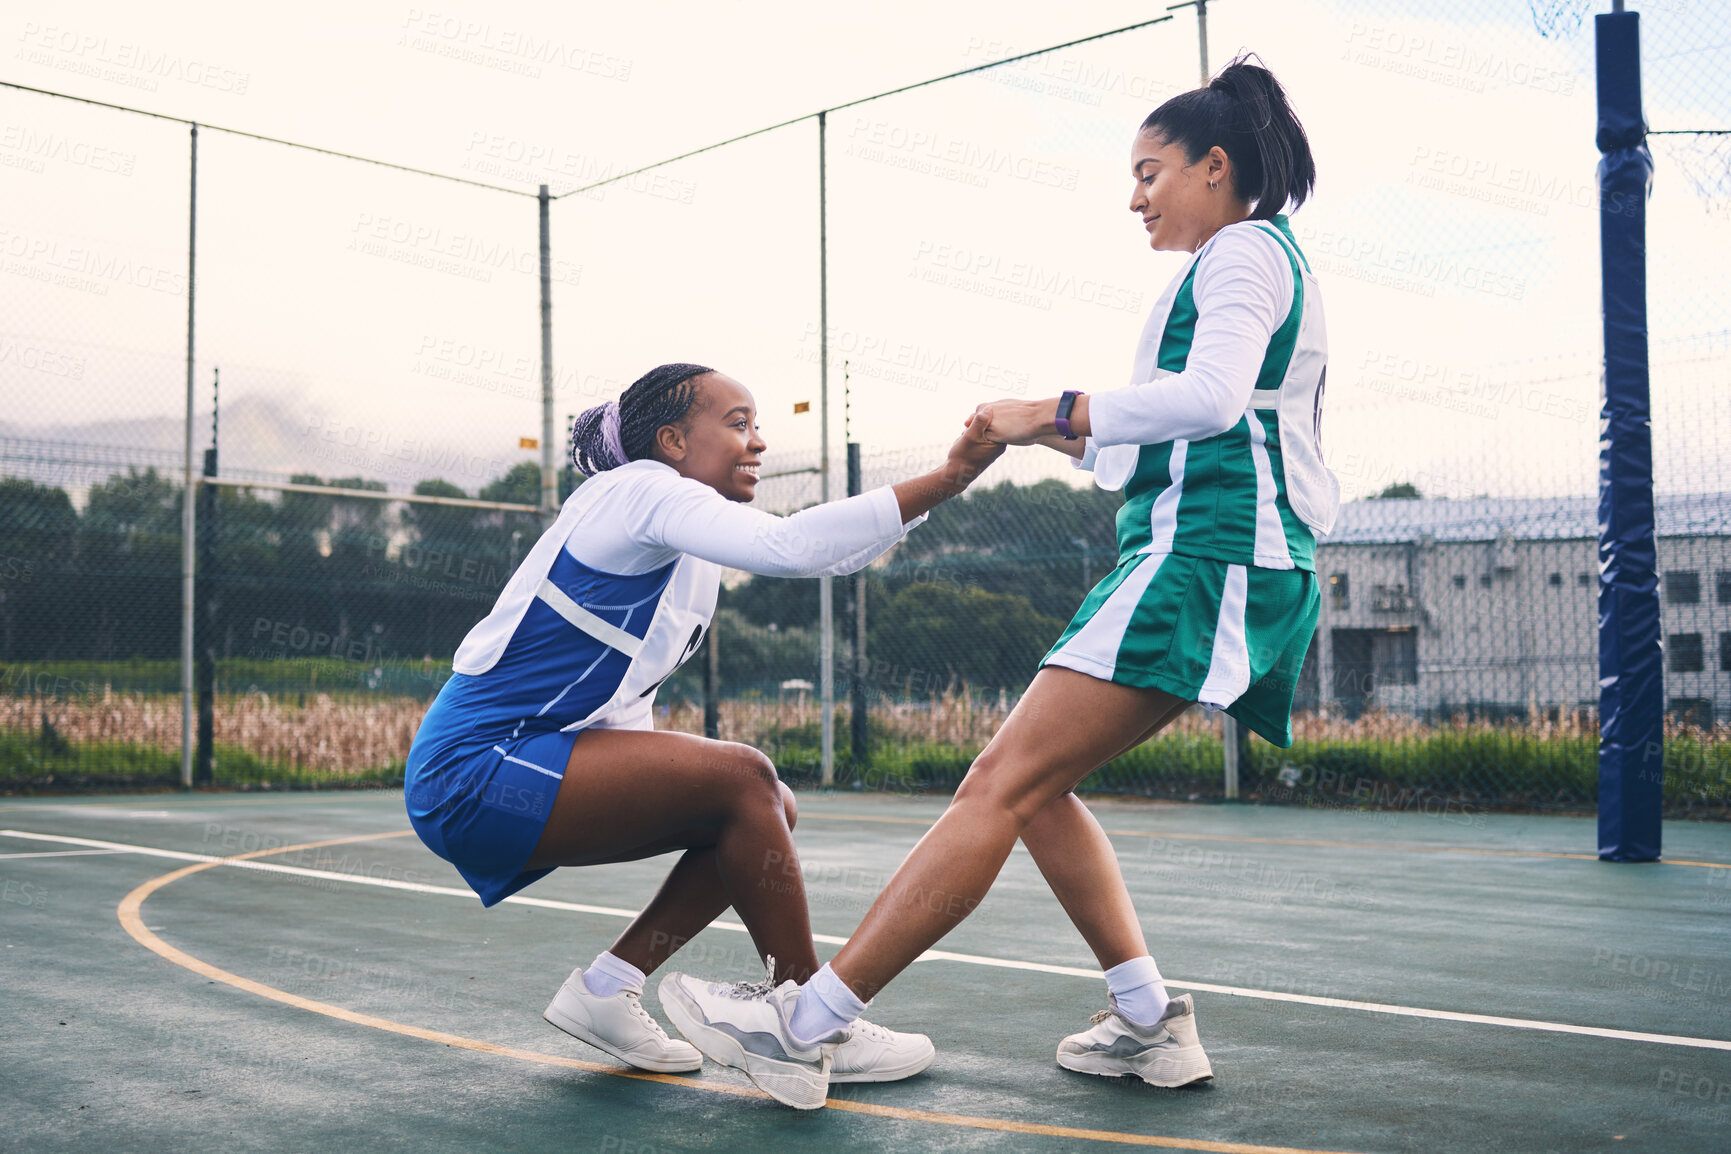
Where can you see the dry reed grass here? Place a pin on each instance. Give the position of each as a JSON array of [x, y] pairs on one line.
[[323, 734], [360, 733], [952, 719]]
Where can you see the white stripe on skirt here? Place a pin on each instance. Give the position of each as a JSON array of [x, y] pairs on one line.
[[1229, 667], [1094, 647]]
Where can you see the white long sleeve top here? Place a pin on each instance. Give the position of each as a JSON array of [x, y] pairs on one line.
[[650, 515], [1243, 292]]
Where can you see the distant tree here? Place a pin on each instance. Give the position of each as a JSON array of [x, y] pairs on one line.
[[976, 593], [129, 567], [932, 634], [1047, 542], [303, 524], [1399, 491], [359, 531], [250, 573], [34, 518], [38, 529], [521, 485], [358, 536], [759, 657], [136, 511], [785, 602], [441, 527], [366, 515], [504, 538]]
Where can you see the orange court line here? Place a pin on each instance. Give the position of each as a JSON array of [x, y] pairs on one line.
[[808, 813], [132, 920]]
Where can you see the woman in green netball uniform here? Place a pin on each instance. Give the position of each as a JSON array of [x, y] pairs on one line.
[[1214, 599]]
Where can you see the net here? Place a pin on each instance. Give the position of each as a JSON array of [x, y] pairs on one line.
[[1558, 18]]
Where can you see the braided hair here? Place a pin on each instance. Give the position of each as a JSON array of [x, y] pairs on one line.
[[609, 435], [1244, 111]]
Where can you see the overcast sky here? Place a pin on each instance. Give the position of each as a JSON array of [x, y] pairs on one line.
[[368, 321]]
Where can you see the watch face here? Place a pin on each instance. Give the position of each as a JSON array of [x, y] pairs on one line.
[[1062, 421]]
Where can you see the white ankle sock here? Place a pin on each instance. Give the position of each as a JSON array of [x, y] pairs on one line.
[[825, 1004], [1138, 990], [607, 975]]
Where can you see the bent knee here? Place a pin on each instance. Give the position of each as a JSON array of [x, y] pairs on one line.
[[789, 806], [750, 769], [996, 782]]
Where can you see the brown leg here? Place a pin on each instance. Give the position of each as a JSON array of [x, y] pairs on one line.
[[632, 794], [1065, 726], [693, 896], [1077, 860]]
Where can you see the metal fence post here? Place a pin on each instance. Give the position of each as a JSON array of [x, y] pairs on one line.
[[549, 475], [825, 586], [188, 502], [859, 720], [1230, 748], [203, 770], [712, 681]]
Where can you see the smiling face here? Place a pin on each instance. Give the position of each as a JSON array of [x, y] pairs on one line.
[[1172, 196], [718, 442]]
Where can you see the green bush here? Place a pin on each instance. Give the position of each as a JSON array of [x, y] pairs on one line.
[[1476, 769], [27, 762], [1502, 766], [331, 675]]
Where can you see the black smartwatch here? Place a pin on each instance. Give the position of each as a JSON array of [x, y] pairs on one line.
[[1065, 404]]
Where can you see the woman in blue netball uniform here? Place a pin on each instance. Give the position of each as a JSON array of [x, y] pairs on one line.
[[539, 751]]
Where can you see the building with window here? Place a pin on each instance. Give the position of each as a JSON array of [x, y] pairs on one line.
[[1489, 607]]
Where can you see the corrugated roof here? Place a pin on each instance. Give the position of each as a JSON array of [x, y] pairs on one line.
[[1525, 518]]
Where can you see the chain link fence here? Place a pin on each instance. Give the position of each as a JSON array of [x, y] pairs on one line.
[[375, 331]]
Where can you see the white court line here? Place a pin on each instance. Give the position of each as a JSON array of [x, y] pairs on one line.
[[360, 879], [61, 853], [928, 956], [104, 810]]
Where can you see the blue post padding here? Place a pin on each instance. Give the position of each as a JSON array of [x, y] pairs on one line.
[[1631, 660]]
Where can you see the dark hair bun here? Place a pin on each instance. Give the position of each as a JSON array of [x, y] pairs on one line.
[[1244, 111]]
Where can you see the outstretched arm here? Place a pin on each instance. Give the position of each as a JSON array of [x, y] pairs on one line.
[[1243, 292], [1035, 423], [837, 537], [1075, 447], [968, 458]]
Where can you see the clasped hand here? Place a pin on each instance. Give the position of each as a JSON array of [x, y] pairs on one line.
[[1013, 422], [973, 450]]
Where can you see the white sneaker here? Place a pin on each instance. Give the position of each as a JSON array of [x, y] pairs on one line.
[[1167, 1053], [874, 1054], [745, 1025], [621, 1026]]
